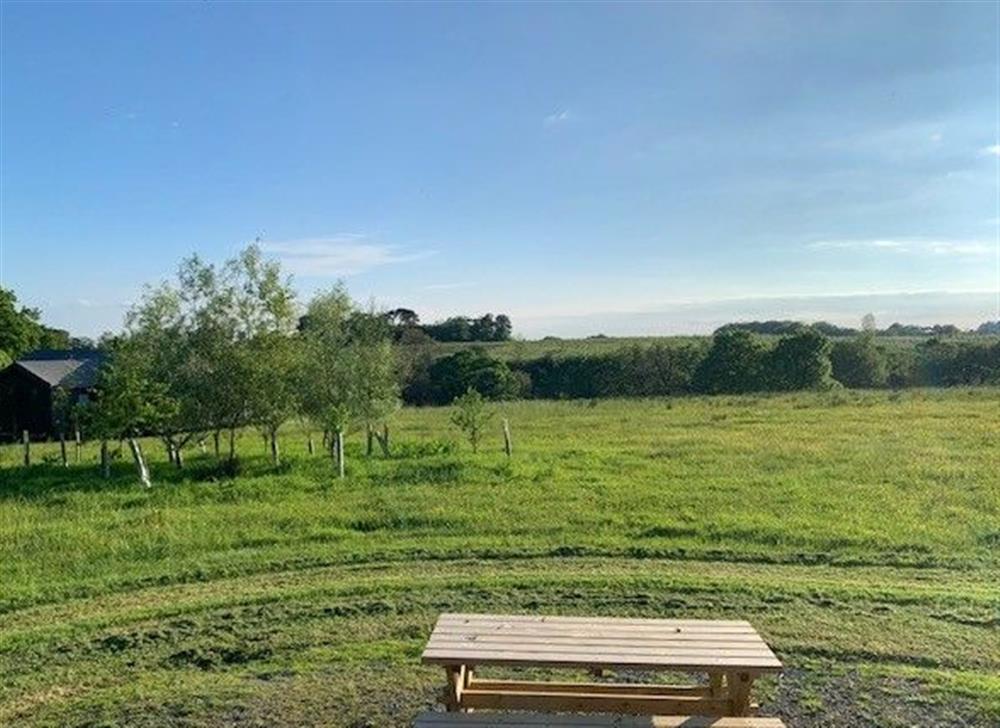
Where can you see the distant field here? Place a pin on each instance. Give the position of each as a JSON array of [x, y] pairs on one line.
[[859, 531], [520, 350]]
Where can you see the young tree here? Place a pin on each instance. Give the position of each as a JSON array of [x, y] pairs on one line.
[[470, 414], [128, 403], [374, 371], [158, 330], [274, 380], [327, 396]]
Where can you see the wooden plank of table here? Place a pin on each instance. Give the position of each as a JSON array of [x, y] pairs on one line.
[[593, 720], [584, 660], [546, 700], [553, 625], [587, 687], [519, 640], [561, 619], [626, 643]]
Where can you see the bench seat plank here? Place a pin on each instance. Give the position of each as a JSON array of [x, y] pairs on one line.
[[538, 720]]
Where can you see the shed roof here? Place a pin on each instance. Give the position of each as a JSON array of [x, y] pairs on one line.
[[72, 368]]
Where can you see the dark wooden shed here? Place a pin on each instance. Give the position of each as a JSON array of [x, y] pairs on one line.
[[28, 385]]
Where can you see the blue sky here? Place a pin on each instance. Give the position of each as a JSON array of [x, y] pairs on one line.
[[647, 168]]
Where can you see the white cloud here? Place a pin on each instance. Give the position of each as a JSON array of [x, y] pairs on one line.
[[339, 255], [950, 247], [991, 151], [842, 244], [448, 286], [913, 246], [559, 117], [937, 136]]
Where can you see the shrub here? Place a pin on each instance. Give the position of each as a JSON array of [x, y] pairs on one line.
[[472, 369], [734, 364], [859, 363], [800, 361]]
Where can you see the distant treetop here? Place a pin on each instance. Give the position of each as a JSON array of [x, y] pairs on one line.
[[457, 328], [785, 328]]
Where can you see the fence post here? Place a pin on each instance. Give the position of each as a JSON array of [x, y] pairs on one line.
[[26, 439], [62, 449], [105, 460], [340, 452], [79, 445], [507, 446]]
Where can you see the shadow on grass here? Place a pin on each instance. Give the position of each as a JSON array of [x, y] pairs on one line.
[[45, 480]]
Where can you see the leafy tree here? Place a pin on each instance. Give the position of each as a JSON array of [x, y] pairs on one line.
[[209, 336], [859, 363], [734, 363], [273, 391], [128, 402], [482, 328], [502, 328], [470, 414], [375, 373], [327, 396], [20, 331], [403, 318], [800, 361]]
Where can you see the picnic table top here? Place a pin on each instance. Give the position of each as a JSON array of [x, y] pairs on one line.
[[599, 642]]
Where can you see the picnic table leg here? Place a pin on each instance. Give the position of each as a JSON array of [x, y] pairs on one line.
[[455, 676], [715, 684], [738, 684], [467, 683]]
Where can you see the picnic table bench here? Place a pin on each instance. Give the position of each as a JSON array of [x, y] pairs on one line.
[[731, 653], [551, 720]]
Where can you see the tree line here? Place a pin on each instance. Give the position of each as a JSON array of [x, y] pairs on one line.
[[783, 328], [407, 327], [21, 331], [734, 360]]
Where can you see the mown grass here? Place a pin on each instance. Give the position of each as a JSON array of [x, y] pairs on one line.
[[859, 531]]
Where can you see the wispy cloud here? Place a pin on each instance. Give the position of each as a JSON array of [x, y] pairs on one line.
[[557, 118], [448, 286], [991, 151], [854, 244], [911, 246], [339, 255]]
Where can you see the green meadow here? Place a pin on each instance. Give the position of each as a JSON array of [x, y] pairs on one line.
[[858, 531]]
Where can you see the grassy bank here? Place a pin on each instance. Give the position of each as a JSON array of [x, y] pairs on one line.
[[859, 532]]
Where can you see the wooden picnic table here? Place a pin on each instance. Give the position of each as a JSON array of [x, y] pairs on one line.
[[730, 652]]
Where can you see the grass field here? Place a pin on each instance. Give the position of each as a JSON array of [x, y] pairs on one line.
[[858, 531]]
